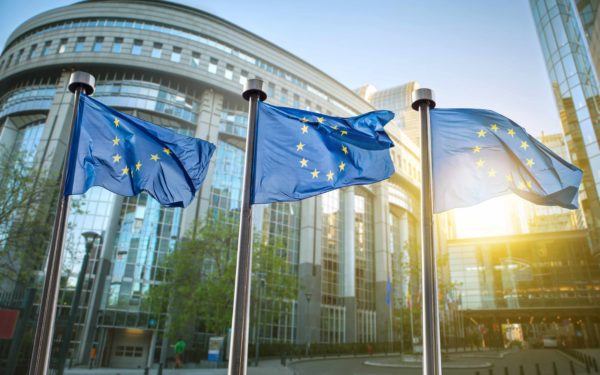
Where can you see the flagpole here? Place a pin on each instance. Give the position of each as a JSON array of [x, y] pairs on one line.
[[40, 356], [432, 361], [238, 354]]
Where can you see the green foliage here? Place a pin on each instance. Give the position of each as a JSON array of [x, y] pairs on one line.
[[198, 291]]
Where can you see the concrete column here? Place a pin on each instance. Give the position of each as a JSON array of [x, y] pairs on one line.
[[98, 288], [348, 262], [309, 271], [382, 262], [207, 128]]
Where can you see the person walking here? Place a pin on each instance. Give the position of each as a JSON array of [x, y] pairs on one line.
[[179, 349]]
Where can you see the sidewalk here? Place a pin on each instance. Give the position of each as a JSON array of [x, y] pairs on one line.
[[266, 367]]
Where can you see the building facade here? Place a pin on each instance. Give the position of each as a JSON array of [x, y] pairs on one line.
[[184, 69]]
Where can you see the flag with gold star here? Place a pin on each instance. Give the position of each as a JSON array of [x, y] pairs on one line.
[[127, 155], [299, 154], [479, 154]]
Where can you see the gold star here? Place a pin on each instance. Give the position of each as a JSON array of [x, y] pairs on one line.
[[524, 145], [300, 147], [530, 162], [125, 170], [509, 178], [116, 141], [116, 122], [167, 151], [304, 119], [303, 162], [116, 158], [304, 129], [330, 176], [481, 133], [343, 132], [480, 163], [320, 120], [476, 149], [342, 166], [521, 185], [315, 173], [154, 157], [138, 165], [492, 173], [511, 132], [345, 150], [494, 127], [334, 127], [529, 184]]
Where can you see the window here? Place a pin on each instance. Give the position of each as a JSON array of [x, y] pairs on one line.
[[32, 52], [156, 50], [117, 45], [136, 49], [98, 44], [296, 101], [46, 49], [79, 44], [270, 89], [229, 71], [62, 45], [195, 59], [21, 51], [176, 54], [9, 61], [284, 95], [212, 65], [244, 77]]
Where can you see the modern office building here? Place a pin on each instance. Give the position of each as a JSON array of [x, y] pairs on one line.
[[568, 34], [184, 69]]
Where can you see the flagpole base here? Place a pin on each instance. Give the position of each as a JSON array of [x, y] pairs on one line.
[[82, 80], [422, 96]]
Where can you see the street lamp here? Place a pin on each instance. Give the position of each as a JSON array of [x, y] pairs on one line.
[[90, 238], [308, 296]]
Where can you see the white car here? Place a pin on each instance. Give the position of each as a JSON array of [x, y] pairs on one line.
[[550, 342]]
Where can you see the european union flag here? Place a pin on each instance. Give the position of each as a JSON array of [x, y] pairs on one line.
[[127, 155], [479, 154], [300, 154]]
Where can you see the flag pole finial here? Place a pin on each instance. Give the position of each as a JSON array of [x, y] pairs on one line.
[[254, 86], [82, 80], [422, 96]]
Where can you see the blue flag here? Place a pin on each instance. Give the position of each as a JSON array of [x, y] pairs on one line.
[[300, 154], [127, 155], [479, 154]]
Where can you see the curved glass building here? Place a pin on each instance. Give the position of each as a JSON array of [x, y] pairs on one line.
[[184, 69]]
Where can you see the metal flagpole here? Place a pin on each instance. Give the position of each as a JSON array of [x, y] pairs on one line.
[[40, 356], [238, 355], [432, 361]]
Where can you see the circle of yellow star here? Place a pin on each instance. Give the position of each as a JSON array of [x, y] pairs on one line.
[[116, 122], [315, 173], [330, 176], [320, 120], [481, 133], [342, 166], [116, 158], [138, 165], [476, 149], [303, 162], [334, 127], [509, 178], [492, 173], [125, 170], [511, 132], [304, 119], [530, 163], [524, 145], [116, 141], [300, 147], [522, 185], [304, 129], [345, 150], [480, 163], [494, 127], [529, 184], [154, 157], [167, 151], [343, 132]]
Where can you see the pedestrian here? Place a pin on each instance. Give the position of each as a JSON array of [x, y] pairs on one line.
[[93, 354], [179, 349]]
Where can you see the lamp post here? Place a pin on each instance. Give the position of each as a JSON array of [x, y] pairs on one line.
[[308, 296], [90, 238], [261, 287]]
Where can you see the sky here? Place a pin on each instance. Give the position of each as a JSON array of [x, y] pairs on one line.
[[472, 53]]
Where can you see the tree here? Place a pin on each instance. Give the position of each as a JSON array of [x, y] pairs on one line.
[[198, 290]]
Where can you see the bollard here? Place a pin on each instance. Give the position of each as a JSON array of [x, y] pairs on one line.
[[572, 367], [595, 364], [505, 370], [554, 369], [537, 369], [160, 368], [490, 372], [521, 370], [476, 372], [587, 367]]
